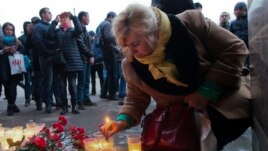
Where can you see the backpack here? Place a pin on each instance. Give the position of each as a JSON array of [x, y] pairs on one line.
[[99, 37]]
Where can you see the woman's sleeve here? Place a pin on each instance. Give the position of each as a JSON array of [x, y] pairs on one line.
[[136, 100]]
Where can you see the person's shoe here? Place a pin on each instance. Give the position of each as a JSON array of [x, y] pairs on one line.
[[10, 111], [81, 106], [75, 111], [88, 102], [121, 101], [93, 92], [48, 109], [64, 111], [39, 108], [58, 106], [16, 109], [103, 96], [27, 103], [113, 98], [53, 104]]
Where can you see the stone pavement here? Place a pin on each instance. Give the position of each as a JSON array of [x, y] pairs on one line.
[[90, 119]]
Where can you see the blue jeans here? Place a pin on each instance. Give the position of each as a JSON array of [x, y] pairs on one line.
[[71, 77], [83, 83], [121, 82]]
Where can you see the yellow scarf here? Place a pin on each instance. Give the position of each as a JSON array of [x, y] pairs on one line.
[[158, 66]]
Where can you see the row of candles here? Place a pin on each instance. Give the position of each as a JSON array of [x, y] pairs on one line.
[[100, 143], [17, 133]]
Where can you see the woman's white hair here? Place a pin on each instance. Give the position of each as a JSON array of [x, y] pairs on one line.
[[135, 18]]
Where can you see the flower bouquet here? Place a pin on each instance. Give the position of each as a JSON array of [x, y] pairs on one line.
[[55, 138]]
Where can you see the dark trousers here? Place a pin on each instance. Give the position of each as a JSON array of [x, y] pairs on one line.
[[11, 90], [109, 85], [99, 69], [27, 85], [37, 80], [72, 87]]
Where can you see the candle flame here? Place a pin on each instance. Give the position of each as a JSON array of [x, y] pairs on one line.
[[107, 120]]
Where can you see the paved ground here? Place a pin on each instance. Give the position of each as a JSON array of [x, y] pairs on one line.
[[90, 119]]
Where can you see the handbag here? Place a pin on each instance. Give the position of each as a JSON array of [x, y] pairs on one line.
[[16, 62], [170, 128]]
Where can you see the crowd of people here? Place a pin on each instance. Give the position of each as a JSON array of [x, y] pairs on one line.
[[61, 56], [141, 51]]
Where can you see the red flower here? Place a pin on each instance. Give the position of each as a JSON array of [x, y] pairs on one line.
[[45, 131], [81, 130], [59, 144], [40, 142], [54, 137], [62, 120], [58, 127]]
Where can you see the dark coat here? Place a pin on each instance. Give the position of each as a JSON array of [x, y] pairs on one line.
[[84, 45], [239, 27], [67, 43]]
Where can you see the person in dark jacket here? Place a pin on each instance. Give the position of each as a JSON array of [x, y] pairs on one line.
[[44, 48], [97, 66], [239, 27], [109, 48], [9, 45], [27, 27], [66, 36], [87, 57]]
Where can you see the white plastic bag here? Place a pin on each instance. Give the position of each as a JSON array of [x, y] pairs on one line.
[[16, 63]]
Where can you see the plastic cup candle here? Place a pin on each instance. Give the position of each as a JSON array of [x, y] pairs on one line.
[[108, 149], [99, 136], [90, 144], [134, 142], [18, 133], [107, 143]]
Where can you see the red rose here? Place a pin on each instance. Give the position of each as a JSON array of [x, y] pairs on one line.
[[58, 127], [81, 130], [62, 120], [54, 137], [40, 142], [77, 136], [45, 131], [73, 129]]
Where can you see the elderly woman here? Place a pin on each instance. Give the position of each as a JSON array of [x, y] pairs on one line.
[[183, 62]]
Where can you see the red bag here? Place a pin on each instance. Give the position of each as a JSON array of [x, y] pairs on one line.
[[170, 128]]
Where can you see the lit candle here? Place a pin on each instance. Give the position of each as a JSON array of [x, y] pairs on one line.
[[90, 144], [18, 133], [107, 143], [134, 142]]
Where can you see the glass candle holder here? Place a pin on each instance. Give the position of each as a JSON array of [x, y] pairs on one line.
[[134, 142], [90, 144], [18, 133]]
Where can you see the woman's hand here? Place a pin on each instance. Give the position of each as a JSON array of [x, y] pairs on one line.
[[113, 127], [6, 49], [197, 101], [13, 49]]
